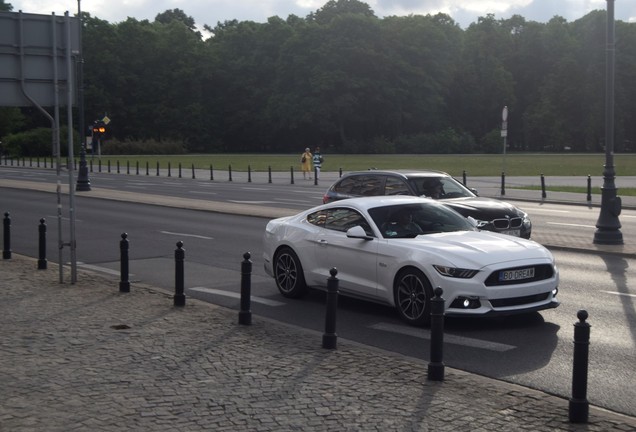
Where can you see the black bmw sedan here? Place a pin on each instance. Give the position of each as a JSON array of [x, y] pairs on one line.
[[490, 214]]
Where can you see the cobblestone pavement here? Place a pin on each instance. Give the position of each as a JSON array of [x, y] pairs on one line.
[[85, 357]]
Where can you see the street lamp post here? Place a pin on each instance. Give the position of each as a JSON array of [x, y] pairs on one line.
[[608, 226], [504, 134], [83, 182]]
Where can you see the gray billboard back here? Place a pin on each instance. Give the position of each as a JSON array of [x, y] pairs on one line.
[[33, 57]]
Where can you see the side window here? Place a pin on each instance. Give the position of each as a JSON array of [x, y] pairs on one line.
[[370, 185], [346, 186], [341, 219], [318, 218], [396, 186]]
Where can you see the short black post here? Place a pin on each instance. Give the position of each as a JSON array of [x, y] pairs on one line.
[[136, 167], [579, 407], [179, 258], [157, 169], [503, 183], [291, 172], [436, 365], [339, 172], [464, 177], [193, 173], [179, 169], [211, 172], [6, 252], [329, 337], [169, 173], [315, 176], [118, 168], [147, 168], [269, 174], [245, 314], [543, 194], [249, 174], [128, 167], [229, 172], [108, 166], [99, 165], [124, 283], [589, 188], [42, 264]]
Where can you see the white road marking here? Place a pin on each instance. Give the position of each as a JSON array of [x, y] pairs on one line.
[[620, 294], [237, 296], [572, 225], [100, 269], [456, 340], [187, 235], [252, 202]]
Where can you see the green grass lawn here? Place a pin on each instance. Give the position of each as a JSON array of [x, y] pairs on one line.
[[473, 165]]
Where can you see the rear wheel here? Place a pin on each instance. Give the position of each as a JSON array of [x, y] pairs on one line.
[[288, 273], [413, 292]]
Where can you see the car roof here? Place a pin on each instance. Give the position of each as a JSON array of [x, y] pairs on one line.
[[365, 203], [400, 173]]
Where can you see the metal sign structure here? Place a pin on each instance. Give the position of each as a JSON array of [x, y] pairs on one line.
[[36, 69]]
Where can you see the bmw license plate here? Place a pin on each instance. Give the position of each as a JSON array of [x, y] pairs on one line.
[[519, 274], [514, 232]]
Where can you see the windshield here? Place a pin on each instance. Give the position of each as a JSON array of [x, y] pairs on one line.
[[441, 187], [411, 220]]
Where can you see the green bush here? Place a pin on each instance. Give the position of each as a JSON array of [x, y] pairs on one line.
[[38, 143]]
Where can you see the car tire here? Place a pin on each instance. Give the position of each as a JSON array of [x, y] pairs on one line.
[[288, 273], [412, 294]]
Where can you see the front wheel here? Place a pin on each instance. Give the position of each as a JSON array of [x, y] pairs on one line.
[[288, 273], [412, 293]]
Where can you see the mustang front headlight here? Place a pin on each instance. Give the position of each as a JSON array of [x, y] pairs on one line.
[[455, 272]]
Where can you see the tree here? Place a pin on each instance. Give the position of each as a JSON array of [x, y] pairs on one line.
[[5, 7]]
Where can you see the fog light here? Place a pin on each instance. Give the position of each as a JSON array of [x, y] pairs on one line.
[[555, 292], [462, 302]]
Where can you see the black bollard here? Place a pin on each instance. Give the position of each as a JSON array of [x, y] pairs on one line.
[[229, 171], [543, 194], [245, 314], [211, 172], [6, 251], [249, 174], [579, 407], [128, 167], [436, 365], [464, 177], [147, 168], [269, 174], [179, 258], [42, 264], [118, 168], [589, 188], [339, 172], [179, 169], [315, 176], [169, 170], [193, 173], [124, 283], [157, 169], [108, 166], [136, 167], [503, 183], [329, 337]]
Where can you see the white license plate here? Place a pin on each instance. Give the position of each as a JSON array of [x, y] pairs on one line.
[[511, 275], [515, 232]]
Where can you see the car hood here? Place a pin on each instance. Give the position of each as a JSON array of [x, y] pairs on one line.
[[476, 249], [482, 208]]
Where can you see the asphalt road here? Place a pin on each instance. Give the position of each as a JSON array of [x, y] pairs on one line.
[[533, 350]]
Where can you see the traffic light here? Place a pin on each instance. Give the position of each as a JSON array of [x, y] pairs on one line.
[[99, 129]]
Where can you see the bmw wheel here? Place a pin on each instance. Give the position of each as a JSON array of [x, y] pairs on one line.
[[288, 273], [413, 293]]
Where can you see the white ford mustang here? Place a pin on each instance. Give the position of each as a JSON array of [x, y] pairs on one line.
[[395, 250]]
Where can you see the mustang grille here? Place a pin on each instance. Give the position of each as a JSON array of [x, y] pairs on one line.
[[541, 272], [516, 301]]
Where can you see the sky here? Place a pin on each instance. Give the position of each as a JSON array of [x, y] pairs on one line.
[[211, 12]]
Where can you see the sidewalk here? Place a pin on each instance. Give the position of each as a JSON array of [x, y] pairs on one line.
[[86, 357]]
